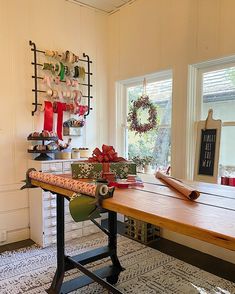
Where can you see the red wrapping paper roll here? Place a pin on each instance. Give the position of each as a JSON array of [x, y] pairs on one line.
[[66, 183]]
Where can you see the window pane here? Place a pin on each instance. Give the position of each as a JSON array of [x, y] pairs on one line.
[[227, 146], [219, 94], [154, 143]]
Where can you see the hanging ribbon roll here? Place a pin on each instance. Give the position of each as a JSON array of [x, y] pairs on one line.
[[59, 109], [144, 87], [48, 116], [86, 201]]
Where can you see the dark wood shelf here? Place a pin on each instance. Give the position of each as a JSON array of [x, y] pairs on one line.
[[42, 151], [42, 138]]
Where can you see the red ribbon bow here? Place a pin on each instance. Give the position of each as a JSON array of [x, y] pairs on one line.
[[108, 154]]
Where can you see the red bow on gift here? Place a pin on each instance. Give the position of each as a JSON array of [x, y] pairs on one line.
[[108, 154]]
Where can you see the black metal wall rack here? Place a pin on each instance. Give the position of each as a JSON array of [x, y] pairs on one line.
[[36, 77]]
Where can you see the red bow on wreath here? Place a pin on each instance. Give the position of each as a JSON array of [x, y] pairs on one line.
[[108, 154]]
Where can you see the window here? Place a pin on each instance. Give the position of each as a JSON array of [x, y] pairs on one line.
[[155, 143], [213, 86], [218, 93]]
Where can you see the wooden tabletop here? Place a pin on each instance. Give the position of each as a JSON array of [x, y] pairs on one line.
[[210, 218]]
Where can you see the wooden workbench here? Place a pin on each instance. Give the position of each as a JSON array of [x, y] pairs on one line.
[[210, 218]]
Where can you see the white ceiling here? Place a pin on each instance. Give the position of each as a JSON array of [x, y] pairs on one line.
[[106, 6]]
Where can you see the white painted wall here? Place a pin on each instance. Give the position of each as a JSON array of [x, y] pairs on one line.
[[152, 35], [51, 24], [145, 37]]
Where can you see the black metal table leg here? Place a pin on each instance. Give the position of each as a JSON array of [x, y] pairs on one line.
[[65, 263], [112, 227], [59, 275]]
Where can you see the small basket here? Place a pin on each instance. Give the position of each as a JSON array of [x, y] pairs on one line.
[[141, 231], [75, 153], [63, 155]]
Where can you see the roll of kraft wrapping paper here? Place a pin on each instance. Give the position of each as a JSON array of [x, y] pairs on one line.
[[187, 191], [82, 206]]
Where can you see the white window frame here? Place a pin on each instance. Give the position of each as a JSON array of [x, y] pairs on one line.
[[121, 104], [195, 104]]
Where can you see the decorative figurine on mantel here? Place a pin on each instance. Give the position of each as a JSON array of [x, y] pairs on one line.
[[62, 145], [64, 148]]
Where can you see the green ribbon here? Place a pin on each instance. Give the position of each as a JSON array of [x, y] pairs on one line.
[[82, 72], [62, 71], [83, 207], [47, 66]]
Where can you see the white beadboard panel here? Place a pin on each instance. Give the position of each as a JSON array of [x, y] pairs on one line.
[[14, 220], [21, 21], [6, 96], [15, 236], [14, 199], [11, 187], [77, 31]]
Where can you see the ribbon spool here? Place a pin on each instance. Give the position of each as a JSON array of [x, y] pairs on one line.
[[77, 101], [60, 108], [144, 87], [48, 116]]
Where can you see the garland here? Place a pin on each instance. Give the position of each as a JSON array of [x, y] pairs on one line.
[[144, 103]]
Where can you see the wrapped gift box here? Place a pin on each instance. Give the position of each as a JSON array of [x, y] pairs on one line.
[[93, 170], [123, 169], [86, 170]]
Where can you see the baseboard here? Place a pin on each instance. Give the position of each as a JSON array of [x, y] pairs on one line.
[[15, 236]]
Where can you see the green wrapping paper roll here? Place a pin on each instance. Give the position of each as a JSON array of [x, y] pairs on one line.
[[83, 207]]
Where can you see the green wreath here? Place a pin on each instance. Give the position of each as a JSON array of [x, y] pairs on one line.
[[134, 124]]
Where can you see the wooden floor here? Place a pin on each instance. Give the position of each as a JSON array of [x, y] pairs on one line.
[[201, 260]]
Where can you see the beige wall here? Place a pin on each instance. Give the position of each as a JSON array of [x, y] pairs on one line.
[[153, 35], [52, 24]]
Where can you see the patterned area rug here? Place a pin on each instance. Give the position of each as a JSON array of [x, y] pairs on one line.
[[30, 270]]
